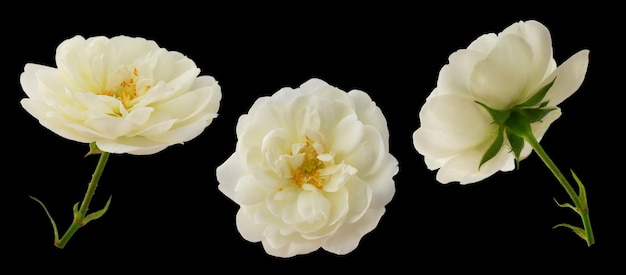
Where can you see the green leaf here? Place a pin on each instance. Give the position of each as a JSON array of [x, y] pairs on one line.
[[579, 231], [499, 117], [97, 214], [494, 148], [54, 225], [517, 144], [534, 115], [566, 205], [537, 97], [582, 193]]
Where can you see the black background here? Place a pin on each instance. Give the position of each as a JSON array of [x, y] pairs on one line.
[[166, 209]]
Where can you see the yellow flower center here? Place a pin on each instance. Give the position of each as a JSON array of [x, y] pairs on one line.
[[308, 172], [126, 91]]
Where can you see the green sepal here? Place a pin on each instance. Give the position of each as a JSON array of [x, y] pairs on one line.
[[579, 231], [494, 148], [537, 97], [97, 214], [499, 117], [582, 193], [93, 149], [54, 225], [517, 144], [567, 205], [534, 115], [518, 125]]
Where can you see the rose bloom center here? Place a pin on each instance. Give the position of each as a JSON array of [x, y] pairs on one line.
[[309, 171], [127, 90]]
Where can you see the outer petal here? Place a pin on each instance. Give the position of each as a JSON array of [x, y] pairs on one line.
[[451, 125], [538, 38], [500, 79], [569, 77], [228, 174], [348, 238]]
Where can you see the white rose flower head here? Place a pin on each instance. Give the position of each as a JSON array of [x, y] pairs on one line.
[[311, 170], [125, 94], [512, 69]]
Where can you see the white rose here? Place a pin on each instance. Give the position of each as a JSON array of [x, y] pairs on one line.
[[126, 94], [311, 169], [500, 71]]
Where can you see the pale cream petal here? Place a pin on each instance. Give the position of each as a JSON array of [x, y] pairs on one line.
[[483, 45], [184, 133], [569, 77], [338, 178], [340, 205], [464, 167], [500, 81], [359, 199], [454, 77], [228, 175], [451, 124], [369, 155], [119, 147], [349, 236], [248, 191], [538, 38], [112, 126], [300, 116], [247, 228], [346, 136], [29, 79], [370, 114], [382, 183], [313, 206]]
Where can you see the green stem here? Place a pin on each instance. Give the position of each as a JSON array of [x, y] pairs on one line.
[[84, 206], [583, 211]]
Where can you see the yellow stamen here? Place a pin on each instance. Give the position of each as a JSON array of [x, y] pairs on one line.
[[309, 172], [126, 91]]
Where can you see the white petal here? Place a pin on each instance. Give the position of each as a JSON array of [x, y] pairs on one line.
[[29, 79], [455, 76], [360, 199], [346, 136], [228, 174], [340, 205], [112, 126], [451, 124], [313, 206], [339, 177], [300, 116], [248, 192], [133, 146], [370, 114], [247, 228], [382, 182], [538, 38], [501, 80], [464, 167], [569, 77], [370, 154], [348, 237]]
